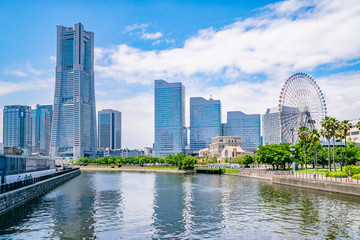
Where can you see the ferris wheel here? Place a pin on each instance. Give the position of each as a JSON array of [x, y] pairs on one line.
[[301, 103]]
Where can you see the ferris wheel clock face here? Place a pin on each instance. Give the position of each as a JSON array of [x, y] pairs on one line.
[[301, 103]]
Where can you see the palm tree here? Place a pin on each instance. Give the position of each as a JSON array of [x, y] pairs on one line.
[[357, 125], [346, 126], [334, 128], [340, 135], [326, 133], [314, 138], [304, 137]]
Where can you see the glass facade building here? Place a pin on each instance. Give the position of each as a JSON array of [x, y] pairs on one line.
[[247, 126], [109, 127], [41, 129], [271, 127], [74, 116], [17, 127], [170, 132], [205, 122]]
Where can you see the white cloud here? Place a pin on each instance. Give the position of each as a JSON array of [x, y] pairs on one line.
[[14, 72], [151, 36], [52, 59], [140, 30], [23, 71], [36, 84], [342, 94], [266, 44], [135, 26]]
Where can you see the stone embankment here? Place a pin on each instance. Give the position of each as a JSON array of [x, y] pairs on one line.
[[338, 187], [22, 195], [252, 175], [135, 169], [328, 186]]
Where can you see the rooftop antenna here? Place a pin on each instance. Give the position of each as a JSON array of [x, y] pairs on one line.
[[211, 97]]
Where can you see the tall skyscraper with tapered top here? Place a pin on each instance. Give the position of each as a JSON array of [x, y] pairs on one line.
[[74, 117]]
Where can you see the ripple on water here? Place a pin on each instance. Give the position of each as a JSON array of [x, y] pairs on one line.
[[135, 205]]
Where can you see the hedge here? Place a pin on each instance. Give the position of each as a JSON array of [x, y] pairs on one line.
[[354, 169], [356, 176], [336, 174]]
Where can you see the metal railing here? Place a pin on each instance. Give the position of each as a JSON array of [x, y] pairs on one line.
[[309, 176], [269, 171], [8, 187]]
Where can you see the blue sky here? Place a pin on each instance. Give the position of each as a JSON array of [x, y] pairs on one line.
[[241, 52]]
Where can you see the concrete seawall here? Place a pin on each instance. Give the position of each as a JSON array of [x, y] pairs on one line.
[[346, 188], [337, 187], [252, 175], [20, 196]]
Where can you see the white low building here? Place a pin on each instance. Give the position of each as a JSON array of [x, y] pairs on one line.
[[230, 153], [354, 132], [223, 147]]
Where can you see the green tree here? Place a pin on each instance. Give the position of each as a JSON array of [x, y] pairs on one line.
[[326, 123], [83, 160], [170, 160], [274, 154], [187, 163], [142, 160], [334, 128], [340, 135], [247, 159], [119, 161], [304, 137], [314, 138], [346, 126]]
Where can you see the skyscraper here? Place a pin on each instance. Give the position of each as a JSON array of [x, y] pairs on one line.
[[271, 127], [109, 128], [41, 129], [169, 118], [74, 117], [205, 122], [17, 127], [247, 126]]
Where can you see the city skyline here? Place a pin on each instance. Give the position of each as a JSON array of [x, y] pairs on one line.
[[246, 75]]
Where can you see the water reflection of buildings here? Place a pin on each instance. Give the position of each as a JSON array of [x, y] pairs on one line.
[[168, 206], [73, 209], [183, 209]]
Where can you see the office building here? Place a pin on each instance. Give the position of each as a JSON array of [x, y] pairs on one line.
[[247, 126], [205, 122], [74, 116], [17, 127], [41, 129], [170, 133], [354, 133], [271, 128], [109, 129]]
